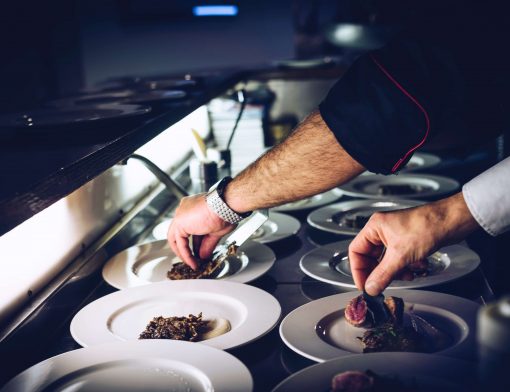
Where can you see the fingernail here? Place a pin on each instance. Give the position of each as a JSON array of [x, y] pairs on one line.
[[372, 287]]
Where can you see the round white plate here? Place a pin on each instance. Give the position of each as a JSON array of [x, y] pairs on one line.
[[161, 229], [137, 366], [447, 264], [318, 330], [420, 161], [149, 263], [426, 371], [330, 218], [276, 228], [123, 315], [368, 186], [311, 202]]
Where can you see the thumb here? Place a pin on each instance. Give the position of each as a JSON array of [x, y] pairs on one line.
[[383, 273]]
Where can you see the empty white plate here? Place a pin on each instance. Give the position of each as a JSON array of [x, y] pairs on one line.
[[318, 330], [311, 202], [123, 315], [137, 366], [276, 228], [149, 263], [446, 265], [337, 218], [419, 186], [422, 372]]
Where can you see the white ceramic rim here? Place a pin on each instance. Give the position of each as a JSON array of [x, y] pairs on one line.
[[118, 271], [297, 329], [224, 371], [90, 325], [462, 261], [444, 185], [321, 217]]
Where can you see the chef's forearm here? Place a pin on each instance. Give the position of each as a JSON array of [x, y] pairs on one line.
[[308, 162]]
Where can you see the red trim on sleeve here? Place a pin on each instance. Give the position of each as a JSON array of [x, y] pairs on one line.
[[415, 101]]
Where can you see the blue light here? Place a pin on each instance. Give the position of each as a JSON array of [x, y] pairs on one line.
[[215, 10]]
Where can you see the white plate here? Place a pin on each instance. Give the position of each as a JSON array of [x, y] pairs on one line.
[[329, 218], [149, 263], [419, 161], [123, 315], [311, 202], [368, 186], [137, 366], [318, 330], [427, 371], [447, 264], [276, 228], [161, 229]]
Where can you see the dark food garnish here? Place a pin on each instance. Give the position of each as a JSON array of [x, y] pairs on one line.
[[419, 268], [183, 271], [205, 269], [355, 221], [177, 328], [389, 334], [400, 189], [389, 337]]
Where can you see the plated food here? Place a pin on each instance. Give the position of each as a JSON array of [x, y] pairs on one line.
[[311, 202], [155, 262], [395, 372], [385, 330], [137, 366], [239, 313], [320, 331], [190, 328], [207, 269], [349, 217], [402, 186], [330, 264]]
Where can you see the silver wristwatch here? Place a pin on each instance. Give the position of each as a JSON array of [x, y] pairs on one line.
[[216, 203]]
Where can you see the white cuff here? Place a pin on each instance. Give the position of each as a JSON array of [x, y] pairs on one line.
[[488, 198]]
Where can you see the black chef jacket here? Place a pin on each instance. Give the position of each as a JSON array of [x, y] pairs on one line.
[[442, 79]]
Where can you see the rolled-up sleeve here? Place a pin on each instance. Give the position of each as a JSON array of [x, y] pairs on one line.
[[488, 198], [425, 85]]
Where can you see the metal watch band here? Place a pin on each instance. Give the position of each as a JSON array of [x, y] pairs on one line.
[[220, 208]]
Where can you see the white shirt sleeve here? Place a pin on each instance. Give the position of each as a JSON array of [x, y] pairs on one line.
[[488, 198]]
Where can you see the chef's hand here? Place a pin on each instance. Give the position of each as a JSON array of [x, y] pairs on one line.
[[193, 217], [409, 236]]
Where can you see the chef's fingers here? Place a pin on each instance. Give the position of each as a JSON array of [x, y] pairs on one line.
[[361, 266], [367, 242], [196, 243], [170, 236], [384, 272], [364, 251], [185, 252], [209, 242]]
